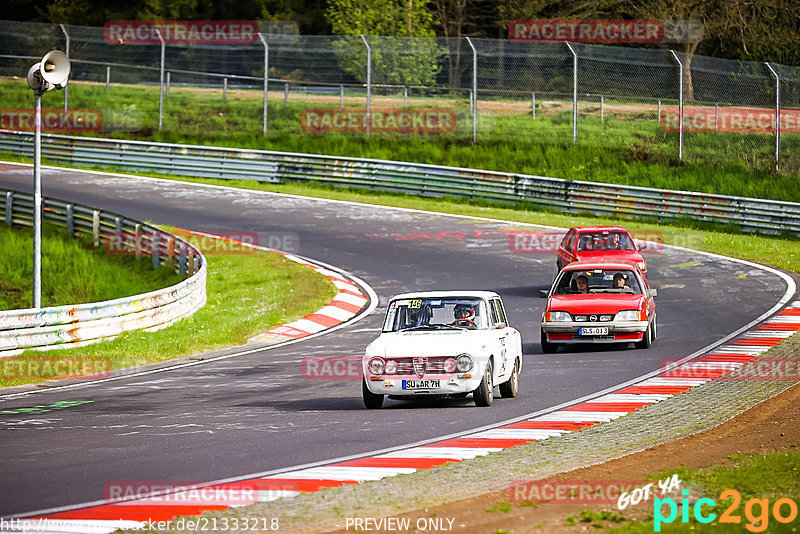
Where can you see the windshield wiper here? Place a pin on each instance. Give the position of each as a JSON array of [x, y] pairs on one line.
[[434, 326]]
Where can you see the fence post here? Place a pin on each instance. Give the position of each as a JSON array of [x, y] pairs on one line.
[[777, 114], [9, 207], [161, 81], [71, 220], [108, 76], [154, 244], [533, 104], [574, 92], [224, 89], [680, 104], [602, 109], [266, 79], [169, 83], [96, 228], [474, 96], [405, 96], [369, 84], [66, 87], [716, 117], [659, 111], [341, 96], [285, 94]]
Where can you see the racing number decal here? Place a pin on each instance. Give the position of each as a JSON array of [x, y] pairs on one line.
[[415, 303]]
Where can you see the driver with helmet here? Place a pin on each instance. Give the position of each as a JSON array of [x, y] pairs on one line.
[[464, 315]]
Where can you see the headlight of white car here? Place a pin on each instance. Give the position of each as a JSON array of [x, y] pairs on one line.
[[628, 315], [376, 366], [450, 365], [464, 363], [391, 367], [558, 316]]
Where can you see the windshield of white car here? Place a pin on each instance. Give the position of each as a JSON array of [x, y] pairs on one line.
[[597, 281], [436, 314]]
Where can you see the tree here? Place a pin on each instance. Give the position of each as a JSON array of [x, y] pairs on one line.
[[397, 58]]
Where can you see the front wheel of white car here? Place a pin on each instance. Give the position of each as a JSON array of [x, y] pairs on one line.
[[484, 395], [372, 401], [510, 388]]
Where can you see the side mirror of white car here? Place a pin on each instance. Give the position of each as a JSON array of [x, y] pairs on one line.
[[500, 326]]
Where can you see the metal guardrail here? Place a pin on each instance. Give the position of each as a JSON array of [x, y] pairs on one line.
[[76, 325], [570, 196]]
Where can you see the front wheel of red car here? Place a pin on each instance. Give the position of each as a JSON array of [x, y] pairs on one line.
[[547, 347], [372, 401], [647, 338]]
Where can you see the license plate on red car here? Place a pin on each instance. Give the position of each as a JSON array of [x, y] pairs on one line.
[[593, 331], [420, 384]]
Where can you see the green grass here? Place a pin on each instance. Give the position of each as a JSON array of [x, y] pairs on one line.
[[246, 295], [770, 476], [102, 276], [627, 148]]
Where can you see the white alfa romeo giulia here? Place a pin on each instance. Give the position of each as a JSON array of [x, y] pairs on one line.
[[443, 343]]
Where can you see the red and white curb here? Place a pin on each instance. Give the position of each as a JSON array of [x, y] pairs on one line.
[[347, 303], [669, 382]]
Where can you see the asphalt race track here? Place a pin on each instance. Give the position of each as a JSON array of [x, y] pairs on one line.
[[256, 413]]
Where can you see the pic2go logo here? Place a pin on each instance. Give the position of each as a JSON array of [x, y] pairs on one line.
[[756, 511]]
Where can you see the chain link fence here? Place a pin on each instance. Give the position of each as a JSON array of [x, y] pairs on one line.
[[669, 103]]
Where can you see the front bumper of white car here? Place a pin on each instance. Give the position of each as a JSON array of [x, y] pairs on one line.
[[450, 385]]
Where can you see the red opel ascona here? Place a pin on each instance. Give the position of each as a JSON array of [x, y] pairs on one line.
[[601, 301], [596, 242]]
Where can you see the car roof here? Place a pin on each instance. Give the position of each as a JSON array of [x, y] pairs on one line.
[[599, 229], [586, 265], [445, 294]]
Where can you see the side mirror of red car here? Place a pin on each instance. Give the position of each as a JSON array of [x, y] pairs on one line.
[[652, 292], [543, 293]]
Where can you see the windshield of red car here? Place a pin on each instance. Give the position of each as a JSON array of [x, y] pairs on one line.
[[605, 240], [597, 281]]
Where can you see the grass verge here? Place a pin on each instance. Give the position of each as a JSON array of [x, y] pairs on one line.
[[246, 294], [626, 147], [103, 276]]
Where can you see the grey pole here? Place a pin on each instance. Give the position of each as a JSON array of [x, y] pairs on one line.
[[224, 89], [341, 95], [37, 201], [533, 104], [659, 111], [680, 104], [405, 96], [474, 91], [169, 83], [716, 117], [777, 114], [574, 92], [266, 78], [369, 83], [602, 109], [108, 76], [285, 94], [161, 82], [66, 89]]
